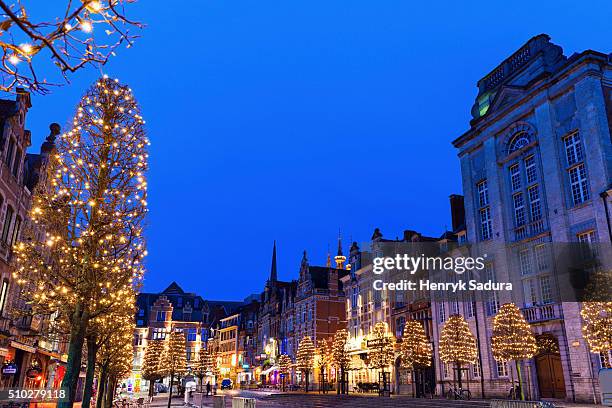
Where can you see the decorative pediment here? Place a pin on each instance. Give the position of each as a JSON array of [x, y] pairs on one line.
[[507, 96]]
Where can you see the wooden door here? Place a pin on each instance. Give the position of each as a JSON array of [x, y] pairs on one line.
[[550, 376]]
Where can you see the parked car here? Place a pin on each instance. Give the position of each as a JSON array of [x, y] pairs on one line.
[[226, 384], [160, 388]]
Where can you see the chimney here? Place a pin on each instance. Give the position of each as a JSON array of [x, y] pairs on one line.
[[457, 211]]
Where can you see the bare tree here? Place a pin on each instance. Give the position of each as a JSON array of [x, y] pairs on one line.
[[85, 32]]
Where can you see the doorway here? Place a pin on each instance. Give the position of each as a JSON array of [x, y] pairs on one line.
[[549, 369]]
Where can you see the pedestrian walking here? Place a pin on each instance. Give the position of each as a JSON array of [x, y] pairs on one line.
[[207, 388]]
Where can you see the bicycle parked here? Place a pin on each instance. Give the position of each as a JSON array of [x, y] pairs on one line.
[[458, 394]]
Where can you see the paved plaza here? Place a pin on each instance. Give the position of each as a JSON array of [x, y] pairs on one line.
[[267, 399]]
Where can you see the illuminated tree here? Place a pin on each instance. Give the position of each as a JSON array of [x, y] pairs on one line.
[[597, 328], [305, 357], [114, 359], [174, 358], [151, 370], [415, 348], [512, 338], [381, 345], [457, 344], [107, 332], [69, 40], [340, 357], [91, 208], [284, 367], [323, 355]]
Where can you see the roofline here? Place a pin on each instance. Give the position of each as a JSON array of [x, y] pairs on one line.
[[572, 62]]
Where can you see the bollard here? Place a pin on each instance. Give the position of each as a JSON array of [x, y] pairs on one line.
[[219, 401], [240, 402]]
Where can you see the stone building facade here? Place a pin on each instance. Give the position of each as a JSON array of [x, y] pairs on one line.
[[536, 167], [26, 358]]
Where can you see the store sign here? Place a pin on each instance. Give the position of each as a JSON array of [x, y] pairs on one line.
[[9, 369], [376, 343]]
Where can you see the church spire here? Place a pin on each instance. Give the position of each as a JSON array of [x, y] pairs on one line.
[[340, 258], [273, 273]]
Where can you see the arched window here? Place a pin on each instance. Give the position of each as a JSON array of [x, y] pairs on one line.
[[519, 141]]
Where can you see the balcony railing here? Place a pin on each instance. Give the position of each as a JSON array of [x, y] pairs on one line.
[[542, 313], [528, 230]]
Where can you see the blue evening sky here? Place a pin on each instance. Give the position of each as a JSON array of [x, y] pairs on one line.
[[289, 120]]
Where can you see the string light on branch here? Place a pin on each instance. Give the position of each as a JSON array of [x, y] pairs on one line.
[[597, 328], [457, 343], [415, 348], [512, 337]]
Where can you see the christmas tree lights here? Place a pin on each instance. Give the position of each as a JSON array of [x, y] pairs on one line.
[[305, 357], [457, 344], [597, 328], [512, 338], [82, 253], [415, 348]]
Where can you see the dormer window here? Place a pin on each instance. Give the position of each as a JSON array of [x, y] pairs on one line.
[[519, 141]]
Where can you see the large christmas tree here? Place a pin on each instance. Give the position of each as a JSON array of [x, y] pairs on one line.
[[415, 348], [174, 358], [305, 358], [340, 358], [457, 344], [284, 367], [597, 328], [512, 338], [84, 251], [151, 370]]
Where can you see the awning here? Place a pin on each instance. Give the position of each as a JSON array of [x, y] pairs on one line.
[[269, 370]]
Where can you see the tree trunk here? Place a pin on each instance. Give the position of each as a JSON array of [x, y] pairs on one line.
[[307, 375], [520, 382], [458, 365], [110, 392], [151, 388], [170, 390], [102, 386], [75, 349], [91, 370]]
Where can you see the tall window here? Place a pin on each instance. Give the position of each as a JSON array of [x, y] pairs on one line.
[[515, 177], [16, 163], [501, 368], [530, 169], [546, 288], [476, 369], [492, 296], [16, 230], [441, 312], [530, 292], [483, 193], [519, 209], [3, 295], [400, 322], [192, 334], [9, 153], [541, 256], [8, 219], [161, 316], [589, 240], [579, 184], [486, 226], [525, 262], [535, 209], [573, 149]]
